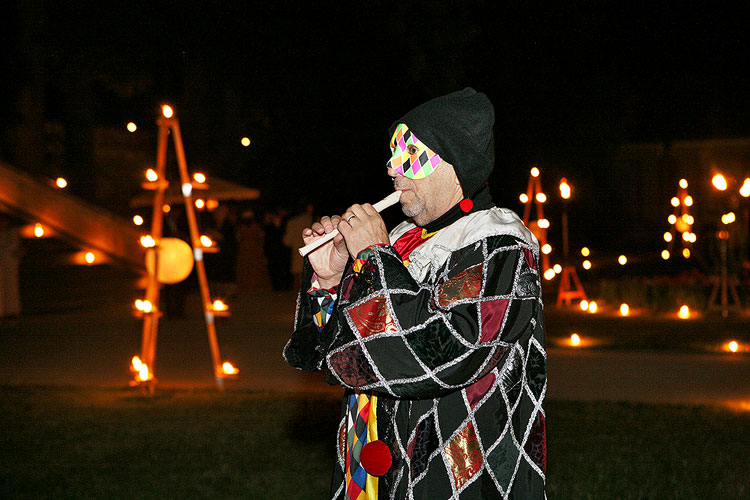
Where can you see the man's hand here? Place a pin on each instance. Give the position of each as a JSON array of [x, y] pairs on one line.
[[329, 260], [362, 226]]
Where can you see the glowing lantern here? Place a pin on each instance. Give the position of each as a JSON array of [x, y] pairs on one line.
[[719, 182], [137, 220], [546, 248], [672, 219], [144, 305], [684, 312], [245, 141], [585, 251], [575, 339], [665, 254], [564, 188], [584, 305], [624, 309], [667, 236], [745, 189], [90, 257], [683, 183], [586, 264], [593, 307], [148, 241], [132, 127], [167, 111], [166, 208], [523, 198], [135, 363], [151, 175], [622, 260], [549, 274], [199, 178], [675, 202], [61, 183], [38, 230], [688, 201], [557, 268], [199, 204], [229, 369], [728, 218], [543, 223], [175, 260], [733, 346], [686, 253], [211, 204], [534, 172], [206, 241], [541, 197], [219, 305]]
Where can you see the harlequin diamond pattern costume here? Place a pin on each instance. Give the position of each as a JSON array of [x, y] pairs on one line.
[[439, 342]]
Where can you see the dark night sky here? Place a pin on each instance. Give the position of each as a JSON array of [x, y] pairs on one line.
[[316, 84]]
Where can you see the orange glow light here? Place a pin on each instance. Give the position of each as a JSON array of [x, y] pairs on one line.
[[546, 248], [90, 257], [229, 369], [665, 254], [38, 230], [593, 307], [622, 260], [541, 197], [688, 201], [584, 305], [132, 127], [61, 183], [211, 204], [575, 339], [199, 204], [624, 309], [199, 178], [684, 312], [733, 346], [219, 305], [667, 236], [745, 189], [675, 202], [585, 251], [586, 264], [151, 175], [523, 198], [147, 241], [135, 363], [549, 274], [564, 188], [672, 219], [719, 182], [245, 141], [686, 253], [557, 268], [683, 183], [206, 241], [543, 223], [534, 172], [143, 373], [167, 111], [137, 220]]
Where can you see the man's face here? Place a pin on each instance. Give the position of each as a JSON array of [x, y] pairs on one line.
[[424, 196]]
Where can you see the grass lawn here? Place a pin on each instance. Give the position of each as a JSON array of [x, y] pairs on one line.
[[81, 443]]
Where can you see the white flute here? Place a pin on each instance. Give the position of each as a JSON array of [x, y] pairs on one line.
[[386, 202]]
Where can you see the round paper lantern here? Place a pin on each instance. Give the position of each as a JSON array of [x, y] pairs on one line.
[[376, 458], [175, 260]]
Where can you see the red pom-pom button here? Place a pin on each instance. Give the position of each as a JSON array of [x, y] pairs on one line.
[[375, 458], [466, 205]]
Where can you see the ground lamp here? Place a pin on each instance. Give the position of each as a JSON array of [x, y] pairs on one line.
[[170, 260], [570, 286]]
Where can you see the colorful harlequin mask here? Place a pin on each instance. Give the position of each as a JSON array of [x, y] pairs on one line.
[[411, 157]]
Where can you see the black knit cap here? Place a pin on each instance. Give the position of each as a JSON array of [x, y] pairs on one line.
[[458, 127]]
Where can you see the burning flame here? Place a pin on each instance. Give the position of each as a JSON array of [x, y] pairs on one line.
[[219, 305], [575, 339], [624, 309], [38, 230], [135, 363], [684, 312], [229, 369]]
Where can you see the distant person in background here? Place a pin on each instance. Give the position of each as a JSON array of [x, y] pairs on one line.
[[252, 267], [10, 258], [293, 240]]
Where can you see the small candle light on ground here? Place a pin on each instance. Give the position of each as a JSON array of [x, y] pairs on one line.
[[38, 230], [733, 346], [684, 312], [219, 305], [624, 309], [575, 339], [90, 257]]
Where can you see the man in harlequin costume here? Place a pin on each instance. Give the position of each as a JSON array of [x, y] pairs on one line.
[[435, 331]]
